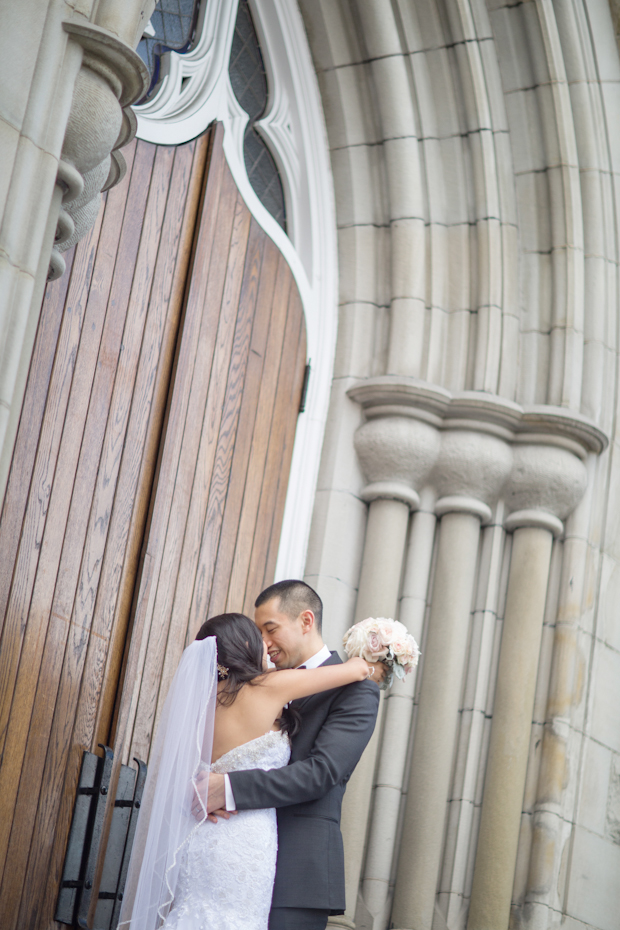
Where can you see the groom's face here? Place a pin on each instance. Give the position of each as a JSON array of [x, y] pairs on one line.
[[283, 636]]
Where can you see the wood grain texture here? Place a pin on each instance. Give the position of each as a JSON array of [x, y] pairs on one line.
[[147, 485], [241, 463], [231, 474], [150, 396], [79, 491], [277, 465], [290, 385]]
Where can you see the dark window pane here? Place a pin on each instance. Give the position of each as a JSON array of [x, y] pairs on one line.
[[246, 68], [249, 83], [264, 175], [174, 23]]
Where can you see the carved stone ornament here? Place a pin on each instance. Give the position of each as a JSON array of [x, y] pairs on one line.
[[473, 448], [112, 76]]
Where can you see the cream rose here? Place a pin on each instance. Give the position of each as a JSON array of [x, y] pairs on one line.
[[374, 649], [354, 641], [379, 639]]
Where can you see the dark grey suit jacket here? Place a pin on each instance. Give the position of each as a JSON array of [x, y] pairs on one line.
[[336, 726]]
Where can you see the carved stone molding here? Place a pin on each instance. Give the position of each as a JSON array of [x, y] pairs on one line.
[[112, 77], [473, 448], [485, 412]]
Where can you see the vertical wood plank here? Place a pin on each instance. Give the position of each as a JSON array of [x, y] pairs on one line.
[[185, 454], [35, 397], [121, 566], [281, 420], [46, 514], [223, 427], [116, 400], [218, 432], [150, 469], [85, 431], [239, 597], [246, 439], [189, 506], [290, 412], [31, 476], [161, 259], [168, 468], [210, 236]]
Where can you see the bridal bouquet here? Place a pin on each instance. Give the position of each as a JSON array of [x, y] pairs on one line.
[[381, 640]]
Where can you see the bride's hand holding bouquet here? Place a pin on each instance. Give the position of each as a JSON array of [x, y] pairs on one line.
[[386, 645]]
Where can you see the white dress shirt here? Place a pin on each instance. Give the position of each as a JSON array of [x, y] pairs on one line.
[[313, 662]]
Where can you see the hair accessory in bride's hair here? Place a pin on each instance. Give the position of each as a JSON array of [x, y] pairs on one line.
[[222, 672]]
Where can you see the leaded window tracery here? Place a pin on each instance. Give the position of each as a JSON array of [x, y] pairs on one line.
[[248, 78], [172, 28]]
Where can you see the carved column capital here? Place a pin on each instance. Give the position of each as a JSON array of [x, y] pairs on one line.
[[473, 448], [472, 466], [396, 454], [545, 485]]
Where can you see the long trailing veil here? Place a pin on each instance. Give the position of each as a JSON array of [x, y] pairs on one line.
[[183, 741]]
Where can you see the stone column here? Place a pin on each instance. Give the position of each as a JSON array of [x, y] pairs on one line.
[[396, 454], [442, 673], [551, 828], [551, 481], [474, 467], [384, 546], [397, 724]]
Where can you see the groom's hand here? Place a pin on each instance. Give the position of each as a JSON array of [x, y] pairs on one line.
[[206, 794], [216, 798]]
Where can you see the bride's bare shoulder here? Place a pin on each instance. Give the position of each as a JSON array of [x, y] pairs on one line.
[[277, 677], [267, 680]]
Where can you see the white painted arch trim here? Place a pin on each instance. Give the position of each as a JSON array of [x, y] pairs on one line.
[[196, 91]]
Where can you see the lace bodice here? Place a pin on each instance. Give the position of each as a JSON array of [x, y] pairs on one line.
[[269, 751], [228, 868]]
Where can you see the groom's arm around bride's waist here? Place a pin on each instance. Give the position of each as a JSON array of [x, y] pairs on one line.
[[335, 732]]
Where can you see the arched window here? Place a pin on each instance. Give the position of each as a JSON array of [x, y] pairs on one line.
[[247, 65], [249, 83], [175, 27]]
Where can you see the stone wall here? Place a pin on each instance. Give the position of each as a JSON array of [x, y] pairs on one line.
[[468, 474], [469, 480]]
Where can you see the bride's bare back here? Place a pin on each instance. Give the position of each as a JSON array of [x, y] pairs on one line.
[[259, 703]]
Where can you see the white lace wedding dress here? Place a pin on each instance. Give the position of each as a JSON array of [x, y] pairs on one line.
[[228, 868]]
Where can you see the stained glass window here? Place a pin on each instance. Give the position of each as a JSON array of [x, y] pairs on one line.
[[172, 28], [249, 83]]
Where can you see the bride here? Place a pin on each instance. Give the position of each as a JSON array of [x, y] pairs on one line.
[[225, 712]]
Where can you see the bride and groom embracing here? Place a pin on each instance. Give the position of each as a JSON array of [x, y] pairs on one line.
[[240, 822]]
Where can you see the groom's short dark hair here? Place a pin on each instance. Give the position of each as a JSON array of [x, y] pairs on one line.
[[294, 596]]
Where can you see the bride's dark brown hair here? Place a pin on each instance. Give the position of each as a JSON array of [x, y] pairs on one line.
[[240, 651]]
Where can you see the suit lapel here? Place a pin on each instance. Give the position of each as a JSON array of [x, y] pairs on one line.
[[300, 703]]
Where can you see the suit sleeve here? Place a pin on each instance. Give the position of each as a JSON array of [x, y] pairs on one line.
[[336, 751]]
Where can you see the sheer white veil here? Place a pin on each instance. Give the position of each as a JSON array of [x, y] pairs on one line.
[[183, 741]]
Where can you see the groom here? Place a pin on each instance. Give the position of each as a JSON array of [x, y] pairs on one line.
[[335, 728]]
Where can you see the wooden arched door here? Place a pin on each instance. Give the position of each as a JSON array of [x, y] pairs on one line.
[[147, 485]]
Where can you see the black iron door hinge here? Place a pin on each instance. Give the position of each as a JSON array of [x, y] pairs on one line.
[[304, 389], [76, 889]]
